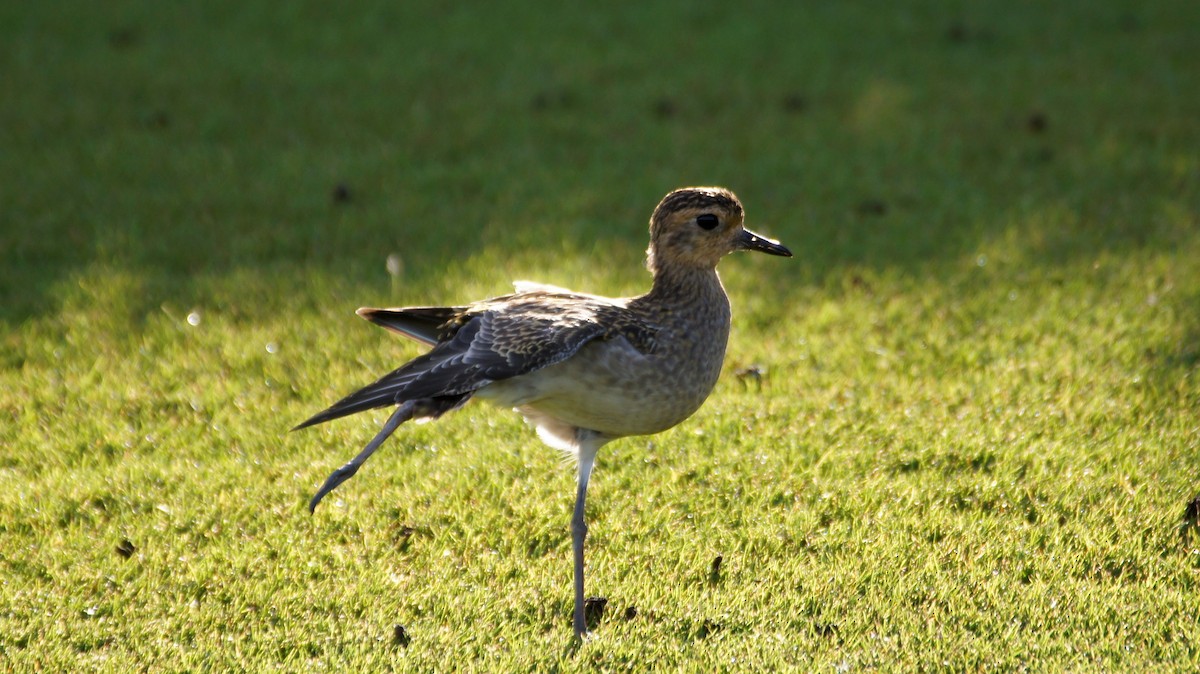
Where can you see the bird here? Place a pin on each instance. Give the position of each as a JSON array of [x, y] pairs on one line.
[[583, 369]]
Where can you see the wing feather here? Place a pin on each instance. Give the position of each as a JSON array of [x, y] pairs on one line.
[[489, 341]]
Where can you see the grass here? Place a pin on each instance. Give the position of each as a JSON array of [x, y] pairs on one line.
[[972, 446]]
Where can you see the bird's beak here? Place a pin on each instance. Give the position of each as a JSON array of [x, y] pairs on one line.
[[748, 240]]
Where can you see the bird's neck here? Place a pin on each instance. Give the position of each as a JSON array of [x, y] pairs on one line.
[[691, 311], [683, 284]]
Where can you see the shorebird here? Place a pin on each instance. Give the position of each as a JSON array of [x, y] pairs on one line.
[[583, 369]]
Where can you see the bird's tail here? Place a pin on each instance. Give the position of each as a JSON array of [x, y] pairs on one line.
[[366, 398], [420, 324]]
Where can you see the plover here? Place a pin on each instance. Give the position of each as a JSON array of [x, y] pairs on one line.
[[583, 369]]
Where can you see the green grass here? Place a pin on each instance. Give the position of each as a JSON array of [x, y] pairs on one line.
[[972, 449]]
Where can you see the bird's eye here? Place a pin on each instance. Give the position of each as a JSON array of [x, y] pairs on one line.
[[707, 221]]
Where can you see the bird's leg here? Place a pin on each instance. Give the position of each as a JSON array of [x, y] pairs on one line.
[[578, 534], [401, 415], [587, 459]]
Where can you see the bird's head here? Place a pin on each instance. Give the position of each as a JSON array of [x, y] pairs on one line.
[[694, 227]]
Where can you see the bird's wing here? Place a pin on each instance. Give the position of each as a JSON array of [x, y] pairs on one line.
[[494, 340]]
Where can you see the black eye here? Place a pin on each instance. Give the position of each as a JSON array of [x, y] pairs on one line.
[[707, 221]]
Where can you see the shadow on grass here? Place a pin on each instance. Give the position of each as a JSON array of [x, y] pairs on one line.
[[293, 153]]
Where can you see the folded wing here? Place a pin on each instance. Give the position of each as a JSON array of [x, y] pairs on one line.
[[477, 345]]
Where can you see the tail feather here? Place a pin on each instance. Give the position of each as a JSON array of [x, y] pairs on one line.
[[421, 324], [411, 381], [364, 399]]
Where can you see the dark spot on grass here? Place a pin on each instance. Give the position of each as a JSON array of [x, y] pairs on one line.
[[73, 515], [753, 374], [159, 119], [124, 37], [631, 613], [341, 194], [1037, 122], [665, 108], [86, 645], [983, 462], [957, 32], [553, 99], [126, 548], [714, 570], [708, 628], [593, 610], [1120, 568], [400, 636], [567, 100], [827, 630], [794, 104], [909, 466], [403, 535], [875, 207], [960, 32]]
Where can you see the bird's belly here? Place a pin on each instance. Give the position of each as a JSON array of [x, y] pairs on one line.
[[617, 410], [606, 390]]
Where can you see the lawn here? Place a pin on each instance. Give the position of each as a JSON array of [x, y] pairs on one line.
[[959, 431]]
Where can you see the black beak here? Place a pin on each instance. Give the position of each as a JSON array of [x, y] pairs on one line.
[[748, 240]]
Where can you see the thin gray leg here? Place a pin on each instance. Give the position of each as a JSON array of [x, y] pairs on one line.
[[588, 446], [401, 415]]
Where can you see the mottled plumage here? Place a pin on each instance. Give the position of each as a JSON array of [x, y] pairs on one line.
[[583, 369]]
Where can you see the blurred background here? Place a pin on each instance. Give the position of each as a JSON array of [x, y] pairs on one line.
[[181, 142]]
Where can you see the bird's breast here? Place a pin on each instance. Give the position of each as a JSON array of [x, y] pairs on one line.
[[610, 387]]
